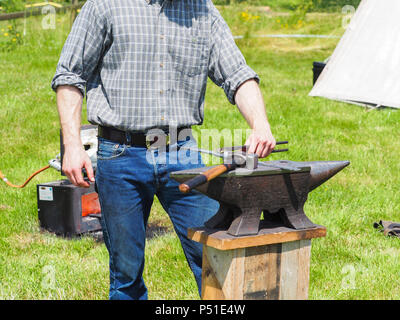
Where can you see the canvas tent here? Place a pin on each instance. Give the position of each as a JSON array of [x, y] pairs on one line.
[[365, 66]]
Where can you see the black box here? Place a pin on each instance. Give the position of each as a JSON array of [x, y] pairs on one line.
[[60, 208]]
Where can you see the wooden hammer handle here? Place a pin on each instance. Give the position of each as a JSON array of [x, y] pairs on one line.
[[205, 177]]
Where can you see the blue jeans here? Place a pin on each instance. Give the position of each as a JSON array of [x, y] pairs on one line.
[[127, 178]]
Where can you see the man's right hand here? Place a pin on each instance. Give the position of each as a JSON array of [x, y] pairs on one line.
[[75, 159]]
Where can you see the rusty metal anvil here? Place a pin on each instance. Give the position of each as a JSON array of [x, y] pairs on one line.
[[278, 193]]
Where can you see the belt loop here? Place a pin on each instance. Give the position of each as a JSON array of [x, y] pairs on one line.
[[128, 138]]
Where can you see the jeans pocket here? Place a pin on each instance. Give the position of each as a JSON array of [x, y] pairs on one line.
[[108, 150]]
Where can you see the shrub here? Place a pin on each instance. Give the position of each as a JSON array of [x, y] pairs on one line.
[[10, 34], [12, 5]]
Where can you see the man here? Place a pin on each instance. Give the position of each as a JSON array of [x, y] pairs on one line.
[[144, 65]]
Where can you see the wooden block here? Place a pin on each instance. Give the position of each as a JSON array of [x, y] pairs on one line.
[[265, 269], [271, 272]]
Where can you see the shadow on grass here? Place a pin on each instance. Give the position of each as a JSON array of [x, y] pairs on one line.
[[154, 229]]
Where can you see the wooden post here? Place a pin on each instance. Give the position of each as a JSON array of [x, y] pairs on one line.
[[273, 265], [74, 11]]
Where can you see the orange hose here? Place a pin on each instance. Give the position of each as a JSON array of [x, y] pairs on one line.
[[26, 182]]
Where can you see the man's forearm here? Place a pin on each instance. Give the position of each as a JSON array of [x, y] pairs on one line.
[[250, 103], [69, 104]]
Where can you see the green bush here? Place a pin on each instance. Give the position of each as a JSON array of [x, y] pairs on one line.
[[12, 5], [10, 34]]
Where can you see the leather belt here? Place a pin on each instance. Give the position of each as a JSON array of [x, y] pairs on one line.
[[130, 138]]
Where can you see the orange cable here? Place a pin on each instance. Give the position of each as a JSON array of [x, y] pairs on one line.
[[26, 182]]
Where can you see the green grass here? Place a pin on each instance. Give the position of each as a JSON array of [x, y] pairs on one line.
[[352, 262]]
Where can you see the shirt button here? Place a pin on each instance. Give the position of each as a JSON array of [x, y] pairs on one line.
[[162, 36], [161, 91], [161, 64], [162, 118]]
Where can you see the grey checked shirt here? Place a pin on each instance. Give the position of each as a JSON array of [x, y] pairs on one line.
[[144, 63]]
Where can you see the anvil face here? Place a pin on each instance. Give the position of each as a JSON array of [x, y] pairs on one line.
[[245, 194]]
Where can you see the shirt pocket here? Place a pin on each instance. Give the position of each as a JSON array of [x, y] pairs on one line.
[[189, 54]]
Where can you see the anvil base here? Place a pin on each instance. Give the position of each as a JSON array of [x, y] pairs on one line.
[[273, 265]]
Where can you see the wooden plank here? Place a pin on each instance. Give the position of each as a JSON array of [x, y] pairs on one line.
[[223, 241], [210, 287], [289, 270], [303, 276], [274, 271], [262, 272], [228, 269], [256, 273]]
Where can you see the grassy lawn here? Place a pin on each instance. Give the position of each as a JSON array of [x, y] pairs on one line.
[[352, 262]]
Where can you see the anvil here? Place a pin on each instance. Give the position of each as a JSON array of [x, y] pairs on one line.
[[271, 190]]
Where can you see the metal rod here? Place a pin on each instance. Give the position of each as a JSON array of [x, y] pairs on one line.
[[279, 150], [231, 149]]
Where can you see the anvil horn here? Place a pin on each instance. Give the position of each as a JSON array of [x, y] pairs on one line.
[[322, 171]]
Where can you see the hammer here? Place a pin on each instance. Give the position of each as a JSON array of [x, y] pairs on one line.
[[233, 157], [232, 160]]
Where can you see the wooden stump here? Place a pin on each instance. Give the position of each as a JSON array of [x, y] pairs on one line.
[[273, 265]]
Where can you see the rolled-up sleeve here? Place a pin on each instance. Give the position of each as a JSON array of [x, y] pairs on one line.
[[227, 67], [82, 50]]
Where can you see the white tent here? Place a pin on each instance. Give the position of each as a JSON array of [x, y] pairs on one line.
[[365, 66]]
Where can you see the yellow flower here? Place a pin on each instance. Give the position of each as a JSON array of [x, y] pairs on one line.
[[2, 30], [10, 27], [6, 34], [17, 34], [14, 39]]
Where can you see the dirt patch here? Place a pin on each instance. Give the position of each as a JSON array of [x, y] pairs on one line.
[[4, 207]]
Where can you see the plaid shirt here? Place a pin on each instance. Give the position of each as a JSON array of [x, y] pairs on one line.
[[145, 63]]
